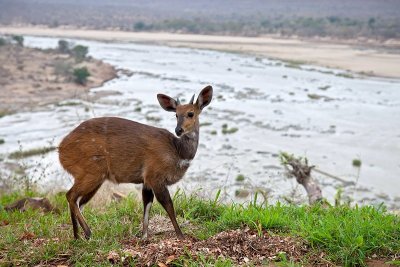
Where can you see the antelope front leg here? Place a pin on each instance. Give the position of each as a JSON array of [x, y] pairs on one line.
[[162, 195], [147, 197]]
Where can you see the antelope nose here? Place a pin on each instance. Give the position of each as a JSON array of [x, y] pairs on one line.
[[178, 131]]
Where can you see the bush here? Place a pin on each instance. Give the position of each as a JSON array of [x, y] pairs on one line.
[[2, 41], [80, 52], [64, 47], [81, 75], [18, 39]]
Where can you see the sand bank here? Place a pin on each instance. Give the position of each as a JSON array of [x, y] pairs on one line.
[[357, 57]]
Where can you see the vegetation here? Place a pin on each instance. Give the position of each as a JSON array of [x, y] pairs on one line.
[[346, 235], [81, 75], [240, 178], [31, 152], [338, 19], [226, 130], [18, 39], [356, 163], [2, 141], [64, 46], [2, 41], [80, 52]]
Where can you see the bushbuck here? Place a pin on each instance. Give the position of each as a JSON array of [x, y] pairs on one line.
[[125, 151]]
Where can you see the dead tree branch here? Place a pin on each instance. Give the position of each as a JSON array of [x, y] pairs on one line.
[[299, 168]]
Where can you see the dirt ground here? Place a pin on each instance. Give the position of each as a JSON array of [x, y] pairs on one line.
[[30, 78], [370, 57]]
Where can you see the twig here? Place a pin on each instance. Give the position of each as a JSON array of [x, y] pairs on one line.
[[335, 177]]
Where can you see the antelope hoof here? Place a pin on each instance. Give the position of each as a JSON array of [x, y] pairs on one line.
[[180, 236], [144, 236], [88, 234]]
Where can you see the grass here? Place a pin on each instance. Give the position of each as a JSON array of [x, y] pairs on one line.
[[240, 178], [227, 130], [4, 113], [346, 235], [31, 152]]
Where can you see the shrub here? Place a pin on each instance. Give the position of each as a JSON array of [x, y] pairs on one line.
[[356, 163], [2, 41], [18, 39], [64, 46], [81, 75], [80, 52]]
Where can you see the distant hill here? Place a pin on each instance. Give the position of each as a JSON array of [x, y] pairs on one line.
[[339, 18]]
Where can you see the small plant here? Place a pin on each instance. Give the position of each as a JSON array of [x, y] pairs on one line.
[[229, 130], [240, 178], [64, 47], [80, 52], [357, 163], [81, 75], [213, 132], [2, 41], [2, 141], [205, 124], [31, 152], [19, 39], [3, 113]]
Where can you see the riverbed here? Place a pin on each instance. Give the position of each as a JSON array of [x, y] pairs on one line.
[[260, 108]]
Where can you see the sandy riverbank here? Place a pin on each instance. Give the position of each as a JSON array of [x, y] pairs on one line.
[[30, 77], [357, 57]]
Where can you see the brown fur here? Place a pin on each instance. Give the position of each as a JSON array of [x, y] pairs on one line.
[[125, 151]]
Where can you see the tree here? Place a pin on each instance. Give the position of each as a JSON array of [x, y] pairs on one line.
[[19, 39], [64, 46], [80, 52], [81, 75]]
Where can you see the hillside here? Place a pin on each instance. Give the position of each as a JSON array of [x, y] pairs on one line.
[[309, 18]]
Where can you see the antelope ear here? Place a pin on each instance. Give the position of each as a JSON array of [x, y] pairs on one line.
[[205, 97], [167, 103]]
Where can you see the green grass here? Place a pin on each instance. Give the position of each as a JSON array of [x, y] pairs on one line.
[[347, 235], [31, 152], [240, 178], [227, 130]]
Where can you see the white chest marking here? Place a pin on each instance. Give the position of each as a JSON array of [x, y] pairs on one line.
[[183, 163]]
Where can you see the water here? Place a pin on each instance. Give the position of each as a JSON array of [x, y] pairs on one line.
[[273, 107]]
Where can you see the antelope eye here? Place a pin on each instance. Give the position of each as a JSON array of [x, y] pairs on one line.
[[190, 114]]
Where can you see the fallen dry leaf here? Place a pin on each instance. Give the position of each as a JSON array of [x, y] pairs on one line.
[[27, 236], [4, 223], [113, 257]]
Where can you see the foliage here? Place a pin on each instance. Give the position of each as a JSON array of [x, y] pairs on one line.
[[2, 141], [18, 39], [2, 41], [80, 52], [64, 46], [356, 163], [31, 152], [81, 75]]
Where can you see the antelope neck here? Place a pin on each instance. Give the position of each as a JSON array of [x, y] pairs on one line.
[[186, 146]]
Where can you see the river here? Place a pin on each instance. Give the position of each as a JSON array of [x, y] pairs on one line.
[[322, 114]]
